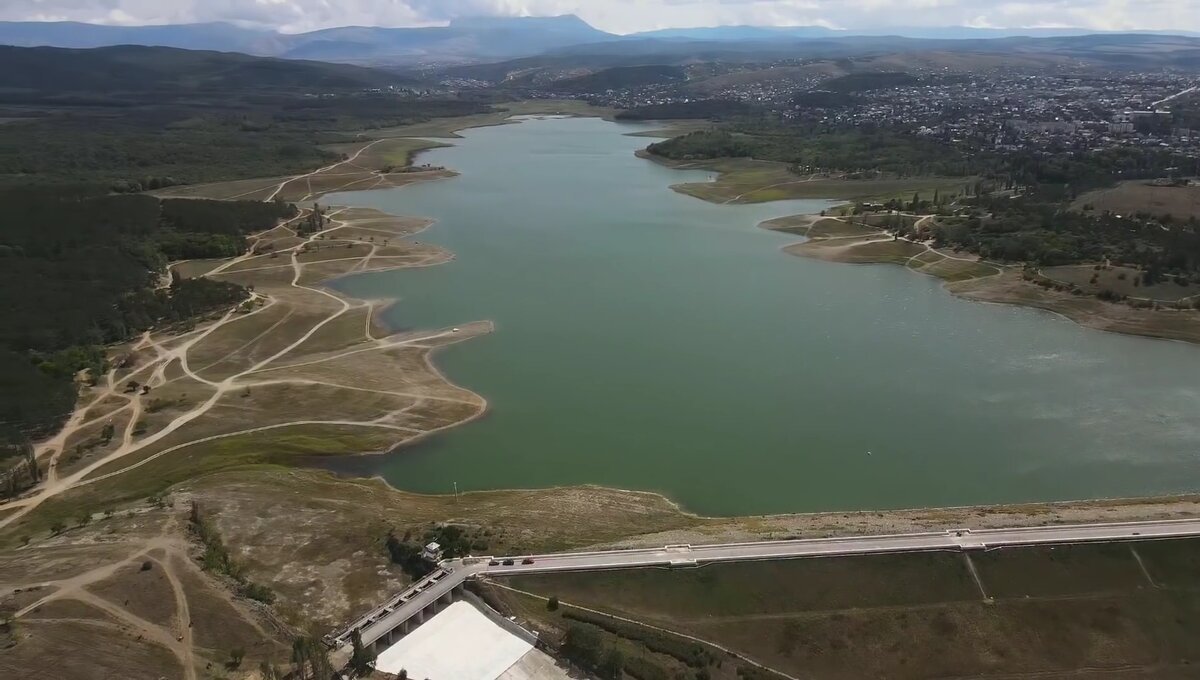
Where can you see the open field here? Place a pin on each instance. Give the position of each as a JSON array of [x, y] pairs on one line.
[[123, 596], [744, 180], [1044, 612], [295, 372], [1138, 196], [1011, 288], [840, 239], [1125, 281]]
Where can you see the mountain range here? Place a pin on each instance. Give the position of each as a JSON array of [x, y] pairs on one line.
[[467, 40]]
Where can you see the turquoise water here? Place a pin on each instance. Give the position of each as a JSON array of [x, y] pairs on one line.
[[648, 340]]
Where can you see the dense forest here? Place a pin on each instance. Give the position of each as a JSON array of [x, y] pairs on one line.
[[810, 150], [1030, 228], [83, 132], [79, 269]]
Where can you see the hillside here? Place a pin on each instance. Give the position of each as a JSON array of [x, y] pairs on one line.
[[135, 68], [622, 77], [461, 40]]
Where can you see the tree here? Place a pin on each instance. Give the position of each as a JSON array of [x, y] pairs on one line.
[[236, 655], [582, 645], [58, 527], [612, 666], [310, 659], [552, 603], [362, 660]]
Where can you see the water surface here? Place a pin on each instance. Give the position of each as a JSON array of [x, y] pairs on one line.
[[649, 340]]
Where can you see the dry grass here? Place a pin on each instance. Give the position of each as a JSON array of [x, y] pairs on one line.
[[1080, 609], [1129, 198], [1093, 279], [97, 613], [313, 516]]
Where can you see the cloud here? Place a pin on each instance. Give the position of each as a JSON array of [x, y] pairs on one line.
[[625, 16]]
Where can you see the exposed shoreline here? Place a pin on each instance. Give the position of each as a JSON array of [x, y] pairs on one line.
[[1004, 286], [1148, 508], [772, 525]]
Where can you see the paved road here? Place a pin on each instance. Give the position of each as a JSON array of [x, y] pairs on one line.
[[965, 539], [454, 572]]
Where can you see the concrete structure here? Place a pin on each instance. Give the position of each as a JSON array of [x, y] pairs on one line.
[[461, 643], [384, 626], [432, 552]]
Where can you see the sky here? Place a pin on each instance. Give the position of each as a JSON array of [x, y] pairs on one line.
[[626, 16]]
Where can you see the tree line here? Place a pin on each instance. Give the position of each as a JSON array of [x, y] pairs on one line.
[[80, 269]]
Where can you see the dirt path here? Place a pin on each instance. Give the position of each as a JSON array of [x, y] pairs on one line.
[[179, 347], [308, 175], [183, 617]]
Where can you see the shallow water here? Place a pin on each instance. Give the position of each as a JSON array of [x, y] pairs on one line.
[[648, 340]]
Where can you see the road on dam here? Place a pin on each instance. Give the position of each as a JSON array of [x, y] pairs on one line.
[[452, 573]]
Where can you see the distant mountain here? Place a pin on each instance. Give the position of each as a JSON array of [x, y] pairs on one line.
[[214, 36], [133, 68], [1118, 50], [462, 40], [491, 39], [734, 33], [768, 33]]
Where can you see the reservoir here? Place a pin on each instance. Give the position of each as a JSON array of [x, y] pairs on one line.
[[649, 340]]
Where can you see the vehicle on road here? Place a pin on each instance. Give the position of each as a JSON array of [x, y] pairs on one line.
[[527, 560], [508, 563]]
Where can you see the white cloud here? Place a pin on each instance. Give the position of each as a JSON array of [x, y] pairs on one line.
[[628, 15]]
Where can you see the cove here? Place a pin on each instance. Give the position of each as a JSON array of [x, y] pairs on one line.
[[648, 340]]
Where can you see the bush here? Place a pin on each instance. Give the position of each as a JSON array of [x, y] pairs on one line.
[[684, 650], [258, 592]]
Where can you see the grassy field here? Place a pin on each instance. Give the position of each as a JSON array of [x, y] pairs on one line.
[[1066, 610], [1093, 279], [1129, 198]]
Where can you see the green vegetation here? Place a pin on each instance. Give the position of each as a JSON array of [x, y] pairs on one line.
[[96, 260], [1083, 608], [622, 77], [362, 659], [863, 152], [681, 649], [1031, 228], [217, 559]]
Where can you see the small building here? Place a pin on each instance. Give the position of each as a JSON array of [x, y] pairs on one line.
[[432, 552]]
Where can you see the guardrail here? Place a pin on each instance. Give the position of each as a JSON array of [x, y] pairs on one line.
[[343, 637]]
